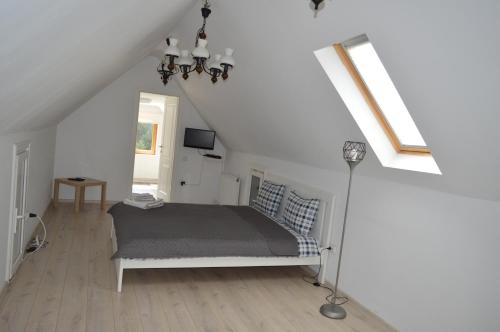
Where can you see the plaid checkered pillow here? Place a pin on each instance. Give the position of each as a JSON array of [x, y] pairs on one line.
[[307, 244], [300, 213], [269, 198]]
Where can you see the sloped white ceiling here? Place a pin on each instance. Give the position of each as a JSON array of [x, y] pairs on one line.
[[278, 102], [55, 54], [442, 56]]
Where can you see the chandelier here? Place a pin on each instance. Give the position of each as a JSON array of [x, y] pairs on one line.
[[176, 61]]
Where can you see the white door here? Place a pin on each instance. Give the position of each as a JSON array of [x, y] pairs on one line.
[[167, 149], [18, 206]]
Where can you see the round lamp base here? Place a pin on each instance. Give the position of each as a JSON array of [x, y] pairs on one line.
[[333, 311]]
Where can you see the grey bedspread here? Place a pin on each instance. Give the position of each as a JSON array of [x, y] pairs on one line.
[[192, 230]]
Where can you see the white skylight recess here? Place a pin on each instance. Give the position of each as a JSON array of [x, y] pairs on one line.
[[369, 94], [372, 71]]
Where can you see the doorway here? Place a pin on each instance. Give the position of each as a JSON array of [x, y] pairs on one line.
[[155, 145], [19, 185]]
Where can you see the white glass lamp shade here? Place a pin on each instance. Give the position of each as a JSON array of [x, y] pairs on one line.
[[172, 49], [228, 59], [216, 63], [185, 59], [201, 50]]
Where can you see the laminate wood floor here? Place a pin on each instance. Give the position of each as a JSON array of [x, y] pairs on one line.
[[70, 286]]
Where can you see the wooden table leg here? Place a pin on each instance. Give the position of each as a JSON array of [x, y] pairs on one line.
[[55, 201], [82, 197], [77, 199], [103, 196]]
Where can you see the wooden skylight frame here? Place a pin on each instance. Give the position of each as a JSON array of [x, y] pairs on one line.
[[373, 105]]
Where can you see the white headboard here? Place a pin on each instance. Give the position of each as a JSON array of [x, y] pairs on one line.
[[322, 230]]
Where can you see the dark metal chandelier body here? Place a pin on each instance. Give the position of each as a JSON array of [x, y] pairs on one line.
[[316, 3], [176, 61]]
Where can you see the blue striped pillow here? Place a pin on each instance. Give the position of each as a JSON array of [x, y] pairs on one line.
[[300, 213], [269, 198]]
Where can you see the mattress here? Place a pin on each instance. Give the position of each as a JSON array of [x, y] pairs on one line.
[[193, 230]]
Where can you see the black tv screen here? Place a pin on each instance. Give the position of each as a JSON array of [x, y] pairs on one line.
[[199, 138]]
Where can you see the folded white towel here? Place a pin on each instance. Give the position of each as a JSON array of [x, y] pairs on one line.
[[144, 205], [142, 197]]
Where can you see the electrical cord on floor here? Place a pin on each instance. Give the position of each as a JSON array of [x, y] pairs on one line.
[[43, 243], [315, 282]]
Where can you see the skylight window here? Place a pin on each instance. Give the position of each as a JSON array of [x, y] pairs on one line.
[[369, 94], [373, 81]]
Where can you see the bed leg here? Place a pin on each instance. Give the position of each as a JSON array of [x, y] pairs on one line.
[[119, 274], [322, 274]]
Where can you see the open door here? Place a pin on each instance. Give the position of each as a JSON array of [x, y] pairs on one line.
[[155, 145], [18, 207], [167, 148]]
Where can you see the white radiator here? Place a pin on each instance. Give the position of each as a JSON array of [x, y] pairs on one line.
[[229, 190]]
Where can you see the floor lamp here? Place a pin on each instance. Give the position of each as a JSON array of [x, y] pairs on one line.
[[354, 152]]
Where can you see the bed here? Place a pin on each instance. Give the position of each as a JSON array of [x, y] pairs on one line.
[[196, 236]]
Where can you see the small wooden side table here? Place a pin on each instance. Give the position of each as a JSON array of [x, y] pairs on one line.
[[80, 190]]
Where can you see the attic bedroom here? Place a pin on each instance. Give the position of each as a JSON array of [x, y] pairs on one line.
[[193, 165]]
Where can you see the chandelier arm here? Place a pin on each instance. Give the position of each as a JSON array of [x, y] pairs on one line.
[[206, 70], [174, 71], [192, 67], [167, 71]]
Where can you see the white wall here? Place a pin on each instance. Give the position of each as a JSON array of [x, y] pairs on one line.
[[421, 259], [39, 185], [98, 140]]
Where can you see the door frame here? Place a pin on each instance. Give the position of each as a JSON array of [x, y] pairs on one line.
[[16, 150]]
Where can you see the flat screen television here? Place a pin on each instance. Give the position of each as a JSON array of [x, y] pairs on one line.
[[199, 138]]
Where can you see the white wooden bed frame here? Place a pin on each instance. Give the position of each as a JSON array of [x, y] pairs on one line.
[[321, 231]]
